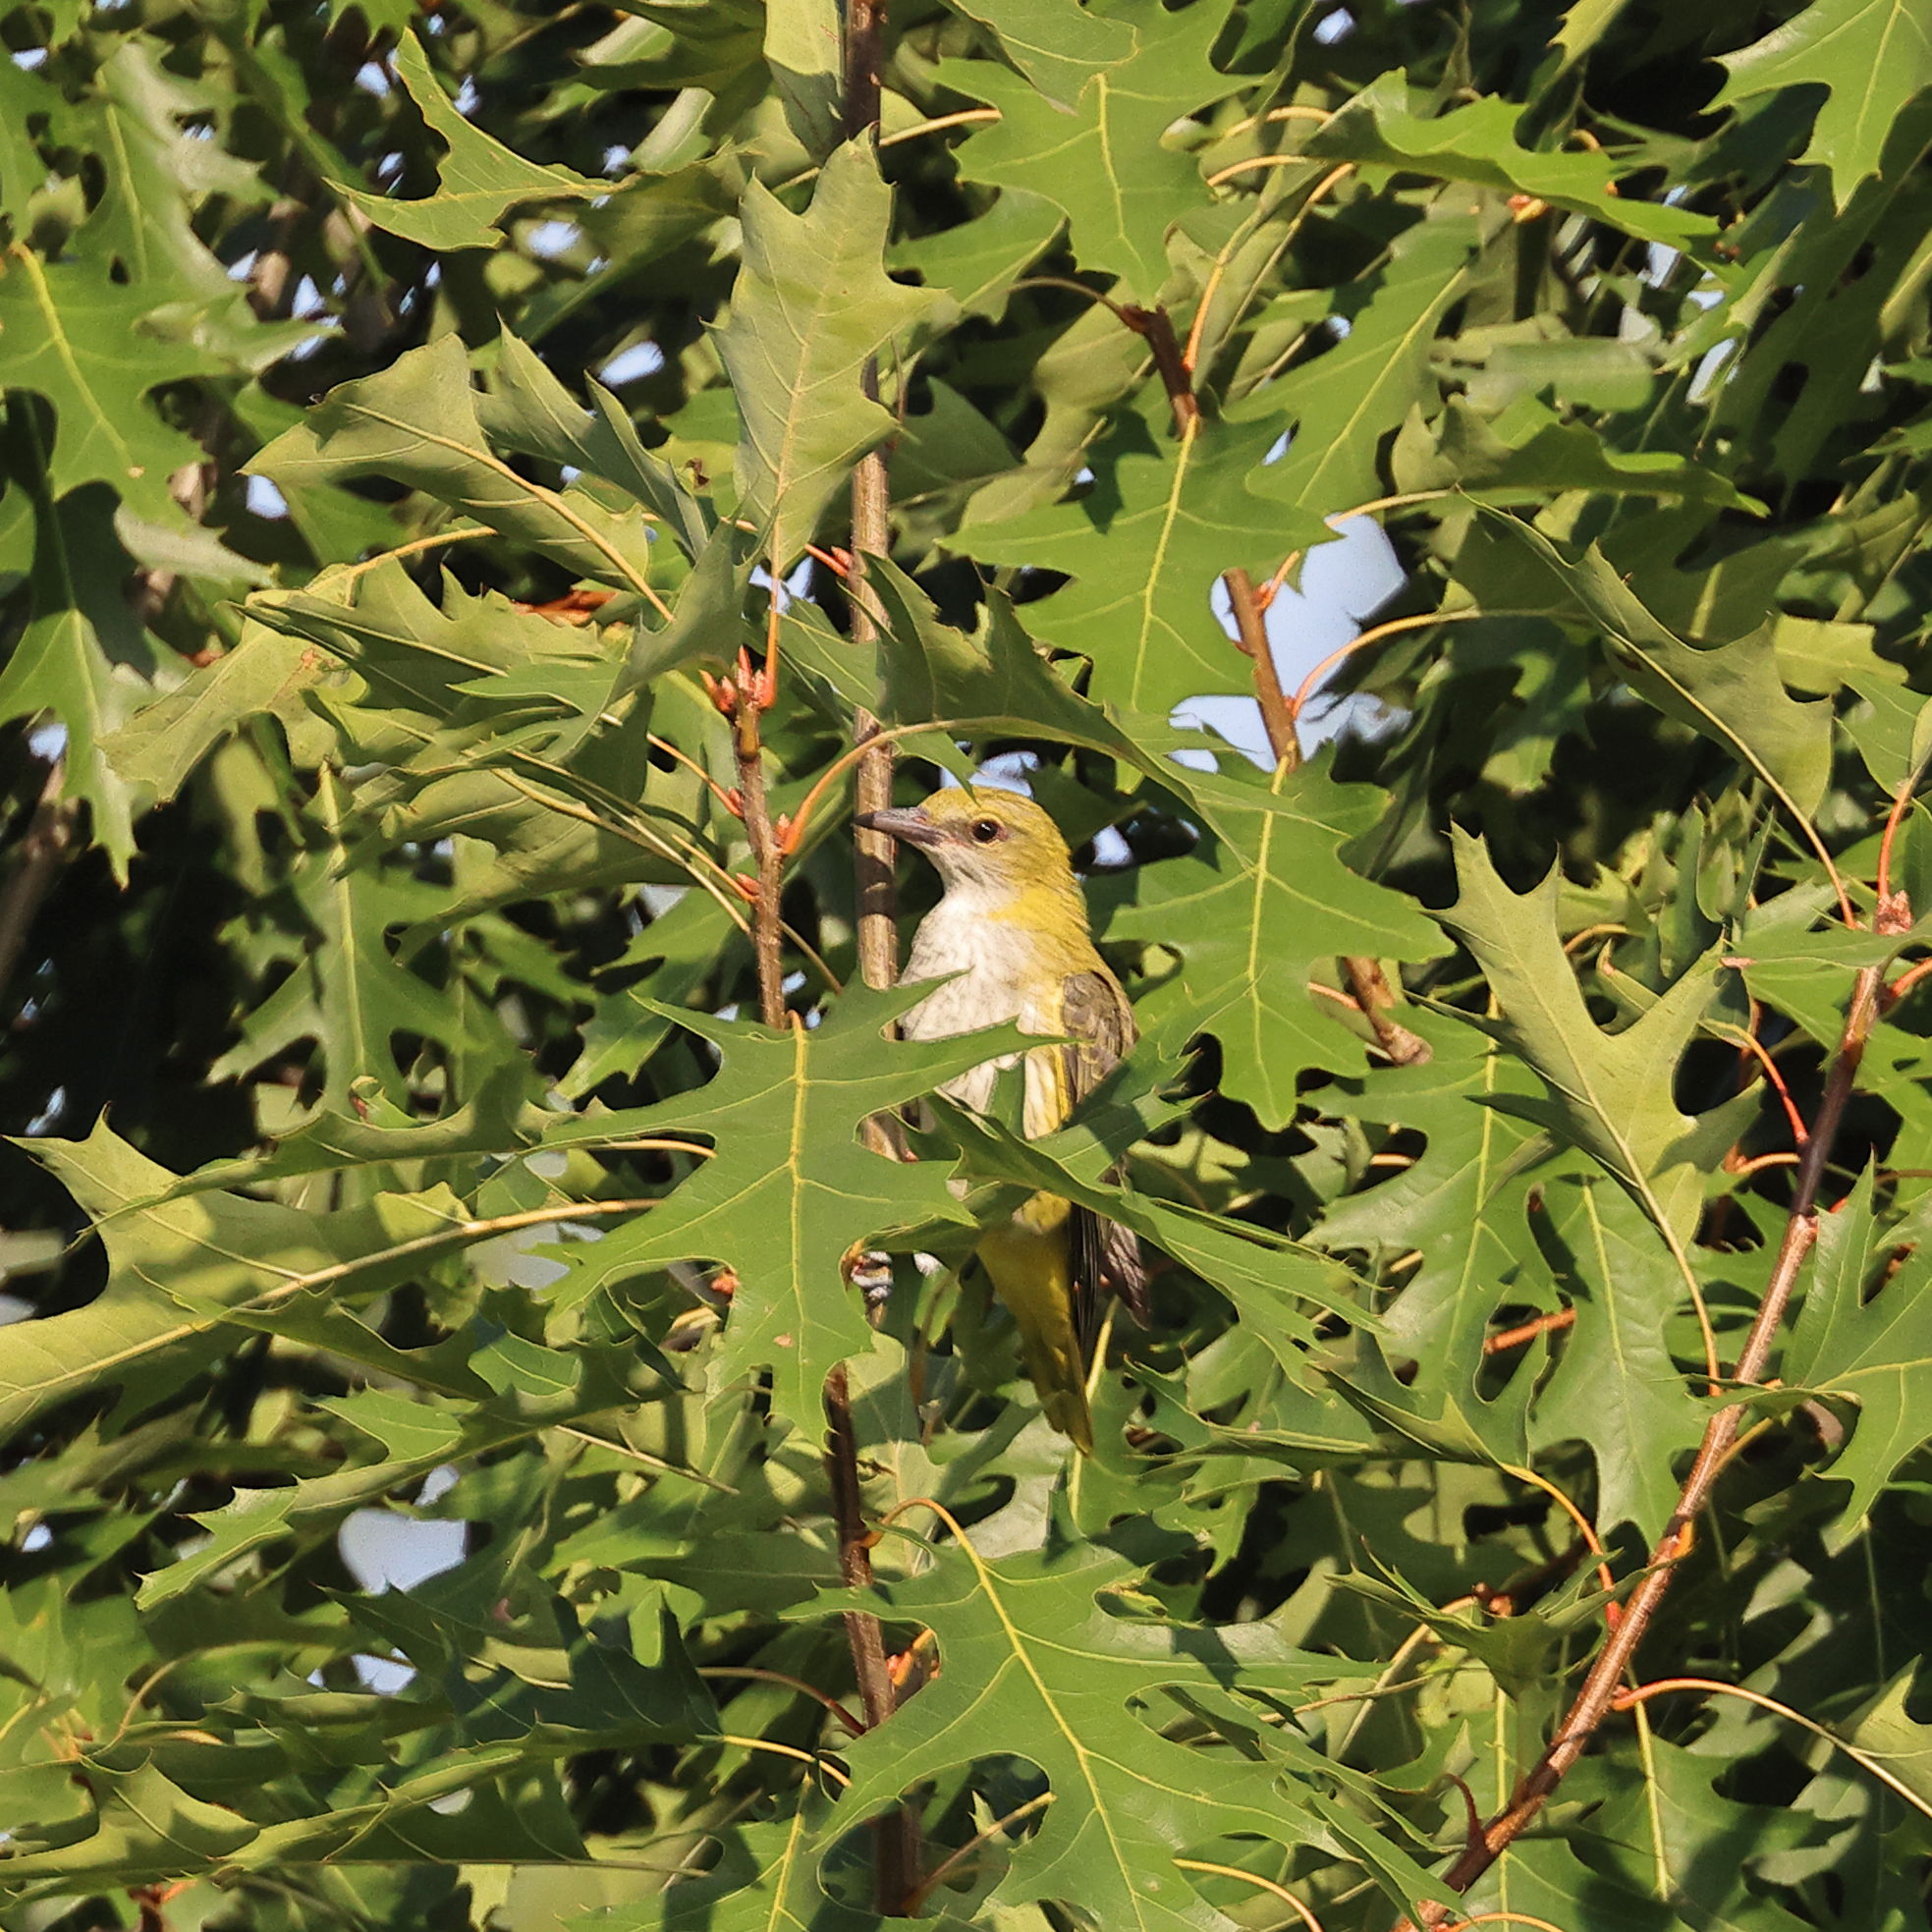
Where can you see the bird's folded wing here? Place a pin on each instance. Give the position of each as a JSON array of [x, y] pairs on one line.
[[1096, 1012]]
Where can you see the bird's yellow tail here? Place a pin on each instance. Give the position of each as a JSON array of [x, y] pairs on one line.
[[1031, 1262]]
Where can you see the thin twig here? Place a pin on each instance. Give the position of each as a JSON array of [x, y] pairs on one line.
[[1598, 1697], [1261, 162], [1375, 996], [1277, 719], [816, 1759], [1630, 1700], [1506, 1918], [415, 547], [853, 1727], [645, 1457], [1515, 1338], [963, 117], [895, 1836], [933, 1879], [1906, 982], [1290, 113], [1155, 327], [1584, 1526], [1373, 636], [1756, 1048], [1281, 1892], [751, 696], [37, 861]]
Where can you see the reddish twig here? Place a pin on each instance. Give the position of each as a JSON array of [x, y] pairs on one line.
[[1598, 1697], [1251, 633], [745, 701], [1751, 1044], [1585, 1529], [1376, 995], [1513, 1337], [1156, 329], [854, 1726], [1899, 915], [1906, 982], [1372, 635]]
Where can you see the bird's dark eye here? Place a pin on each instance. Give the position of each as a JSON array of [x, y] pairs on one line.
[[984, 830]]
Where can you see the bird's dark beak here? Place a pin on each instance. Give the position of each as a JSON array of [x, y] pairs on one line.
[[911, 825]]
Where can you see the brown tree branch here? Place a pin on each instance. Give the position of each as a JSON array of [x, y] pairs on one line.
[[1156, 329], [872, 536], [1598, 1694], [1251, 633], [895, 1838], [1366, 979]]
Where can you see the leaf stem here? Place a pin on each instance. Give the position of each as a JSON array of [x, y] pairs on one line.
[[951, 1862], [1515, 1338], [854, 1728], [1256, 1879], [1633, 1699]]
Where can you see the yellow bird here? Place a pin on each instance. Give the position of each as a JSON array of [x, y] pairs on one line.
[[1011, 926]]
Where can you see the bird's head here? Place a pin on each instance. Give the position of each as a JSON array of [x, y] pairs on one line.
[[990, 844]]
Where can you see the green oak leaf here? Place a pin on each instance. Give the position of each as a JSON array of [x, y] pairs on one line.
[[1874, 1349], [418, 423], [90, 346], [349, 993], [1730, 693], [1034, 1664], [154, 178], [1528, 454], [1102, 160], [789, 1192], [1477, 143], [80, 656], [478, 181], [1057, 44], [266, 674], [417, 1437], [1871, 56], [991, 684], [1184, 510], [1255, 910], [1608, 1094], [1462, 1206], [766, 1880], [527, 408], [174, 1265], [1615, 1387], [811, 305], [25, 96], [975, 264], [1670, 1829], [1345, 402]]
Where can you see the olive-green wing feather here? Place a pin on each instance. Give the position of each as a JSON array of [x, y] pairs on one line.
[[1106, 1255]]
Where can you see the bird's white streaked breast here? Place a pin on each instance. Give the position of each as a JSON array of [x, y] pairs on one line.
[[991, 958]]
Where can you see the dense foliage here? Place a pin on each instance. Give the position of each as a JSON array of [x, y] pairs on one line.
[[432, 649]]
